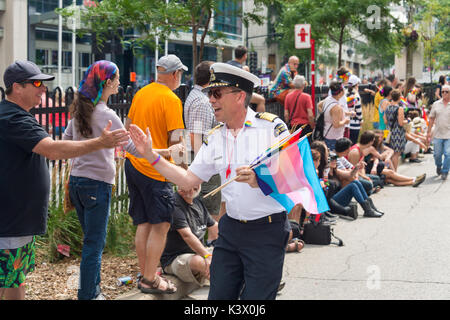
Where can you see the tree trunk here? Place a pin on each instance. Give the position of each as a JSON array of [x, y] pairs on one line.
[[194, 47], [202, 39], [341, 40]]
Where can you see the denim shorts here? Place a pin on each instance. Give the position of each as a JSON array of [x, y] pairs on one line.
[[151, 201]]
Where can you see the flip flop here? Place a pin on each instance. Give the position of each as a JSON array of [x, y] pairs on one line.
[[299, 244]]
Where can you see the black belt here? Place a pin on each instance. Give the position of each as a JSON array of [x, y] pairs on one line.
[[280, 216]]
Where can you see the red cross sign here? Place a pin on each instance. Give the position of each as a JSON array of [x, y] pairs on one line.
[[302, 36]]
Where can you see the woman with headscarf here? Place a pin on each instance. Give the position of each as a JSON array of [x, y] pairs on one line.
[[92, 175]]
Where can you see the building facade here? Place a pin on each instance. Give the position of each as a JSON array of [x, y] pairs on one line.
[[29, 29]]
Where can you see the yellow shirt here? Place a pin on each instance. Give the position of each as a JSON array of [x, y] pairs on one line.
[[155, 107], [376, 101]]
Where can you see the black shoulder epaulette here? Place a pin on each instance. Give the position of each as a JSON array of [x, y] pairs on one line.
[[266, 116]]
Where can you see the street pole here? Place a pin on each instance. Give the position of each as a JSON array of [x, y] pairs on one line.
[[60, 45], [313, 74], [74, 39]]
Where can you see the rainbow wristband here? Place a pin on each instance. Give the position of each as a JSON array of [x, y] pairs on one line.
[[156, 161], [207, 255]]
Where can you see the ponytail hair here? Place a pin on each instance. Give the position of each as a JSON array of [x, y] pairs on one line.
[[81, 110]]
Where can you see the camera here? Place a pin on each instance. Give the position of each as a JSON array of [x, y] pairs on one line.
[[333, 156]]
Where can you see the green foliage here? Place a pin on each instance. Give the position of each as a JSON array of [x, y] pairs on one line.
[[149, 18], [334, 21], [66, 229], [434, 27]]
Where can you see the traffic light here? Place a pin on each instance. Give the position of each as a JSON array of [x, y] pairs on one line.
[[253, 62]]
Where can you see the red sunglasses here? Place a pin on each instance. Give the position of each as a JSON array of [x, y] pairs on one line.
[[36, 83]]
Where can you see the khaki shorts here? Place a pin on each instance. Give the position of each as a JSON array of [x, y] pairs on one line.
[[180, 267]]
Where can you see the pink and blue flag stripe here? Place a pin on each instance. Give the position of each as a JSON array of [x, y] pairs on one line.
[[290, 178]]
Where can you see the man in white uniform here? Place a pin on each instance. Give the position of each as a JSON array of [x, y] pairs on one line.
[[254, 232]]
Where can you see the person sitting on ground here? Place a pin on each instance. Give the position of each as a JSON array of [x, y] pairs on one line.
[[352, 190], [394, 118], [360, 149], [343, 147], [185, 254], [331, 186], [415, 137], [378, 156]]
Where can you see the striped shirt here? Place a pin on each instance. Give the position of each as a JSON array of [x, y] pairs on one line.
[[198, 113], [355, 122]]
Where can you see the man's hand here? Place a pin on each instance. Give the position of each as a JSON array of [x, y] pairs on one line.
[[247, 175], [116, 138], [142, 142]]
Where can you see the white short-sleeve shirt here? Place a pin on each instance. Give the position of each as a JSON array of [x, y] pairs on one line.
[[222, 149]]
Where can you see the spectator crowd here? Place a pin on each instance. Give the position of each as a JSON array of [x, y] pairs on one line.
[[179, 231]]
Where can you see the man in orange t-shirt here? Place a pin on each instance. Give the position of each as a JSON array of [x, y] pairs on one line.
[[157, 108]]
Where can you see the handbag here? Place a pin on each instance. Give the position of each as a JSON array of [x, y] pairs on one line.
[[67, 204], [319, 233], [282, 96]]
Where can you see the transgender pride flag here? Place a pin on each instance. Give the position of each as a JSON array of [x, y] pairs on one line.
[[290, 178]]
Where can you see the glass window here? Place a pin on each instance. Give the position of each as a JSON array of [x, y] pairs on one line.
[[226, 19], [85, 59], [41, 57]]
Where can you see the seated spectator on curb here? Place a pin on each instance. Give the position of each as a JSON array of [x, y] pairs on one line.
[[352, 190], [379, 151], [185, 254], [343, 147], [359, 150]]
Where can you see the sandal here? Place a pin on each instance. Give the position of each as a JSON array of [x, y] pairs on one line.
[[154, 285], [299, 244]]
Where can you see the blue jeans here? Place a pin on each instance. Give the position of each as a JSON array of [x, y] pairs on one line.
[[353, 189], [442, 148], [91, 199], [331, 144]]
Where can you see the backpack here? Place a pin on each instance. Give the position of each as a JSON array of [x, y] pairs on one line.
[[320, 125]]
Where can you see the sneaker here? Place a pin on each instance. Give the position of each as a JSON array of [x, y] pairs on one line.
[[438, 171], [415, 160], [444, 176], [331, 216], [419, 180], [100, 297]]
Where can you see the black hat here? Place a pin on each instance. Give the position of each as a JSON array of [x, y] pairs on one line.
[[226, 75], [22, 70]]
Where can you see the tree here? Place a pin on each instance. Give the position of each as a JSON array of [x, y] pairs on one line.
[[150, 18], [434, 27], [338, 21]]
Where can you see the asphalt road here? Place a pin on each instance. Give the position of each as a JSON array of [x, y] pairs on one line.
[[403, 255]]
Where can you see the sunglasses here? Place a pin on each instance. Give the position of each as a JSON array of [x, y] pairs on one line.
[[445, 91], [217, 93], [36, 83]]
